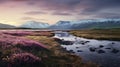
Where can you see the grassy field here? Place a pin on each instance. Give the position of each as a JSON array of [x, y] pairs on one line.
[[35, 49], [100, 34]]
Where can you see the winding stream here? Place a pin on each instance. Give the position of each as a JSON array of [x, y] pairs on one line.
[[103, 52]]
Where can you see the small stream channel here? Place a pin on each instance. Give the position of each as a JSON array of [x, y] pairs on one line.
[[103, 52]]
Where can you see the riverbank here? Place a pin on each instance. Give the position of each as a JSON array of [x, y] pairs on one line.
[[99, 34], [59, 56]]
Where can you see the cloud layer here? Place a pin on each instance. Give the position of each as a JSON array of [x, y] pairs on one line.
[[65, 9], [81, 7]]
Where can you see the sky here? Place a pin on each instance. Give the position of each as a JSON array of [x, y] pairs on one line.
[[16, 12]]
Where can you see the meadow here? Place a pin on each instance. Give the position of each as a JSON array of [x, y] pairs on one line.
[[20, 48], [100, 34]]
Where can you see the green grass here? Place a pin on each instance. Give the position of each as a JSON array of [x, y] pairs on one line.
[[100, 34]]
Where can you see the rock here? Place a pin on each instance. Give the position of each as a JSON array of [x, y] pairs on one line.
[[64, 42], [107, 48], [115, 51], [101, 51], [83, 43], [64, 48], [101, 46], [61, 41], [92, 49], [71, 51], [112, 43], [67, 42], [58, 40], [79, 51], [77, 47], [87, 41]]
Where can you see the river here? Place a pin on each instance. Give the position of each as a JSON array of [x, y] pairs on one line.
[[103, 52]]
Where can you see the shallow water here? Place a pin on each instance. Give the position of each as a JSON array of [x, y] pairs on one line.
[[103, 52]]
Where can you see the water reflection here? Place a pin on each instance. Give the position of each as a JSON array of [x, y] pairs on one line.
[[106, 53]]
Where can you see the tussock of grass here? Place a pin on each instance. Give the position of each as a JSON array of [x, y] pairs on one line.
[[49, 41]]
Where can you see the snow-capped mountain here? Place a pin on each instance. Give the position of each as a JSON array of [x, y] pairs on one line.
[[34, 24], [97, 23], [61, 25], [79, 24], [87, 24], [6, 26], [92, 20]]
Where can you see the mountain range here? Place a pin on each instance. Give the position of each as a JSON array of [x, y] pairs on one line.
[[6, 26], [87, 24], [61, 25], [34, 24]]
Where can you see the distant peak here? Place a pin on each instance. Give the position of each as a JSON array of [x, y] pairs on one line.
[[34, 24]]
